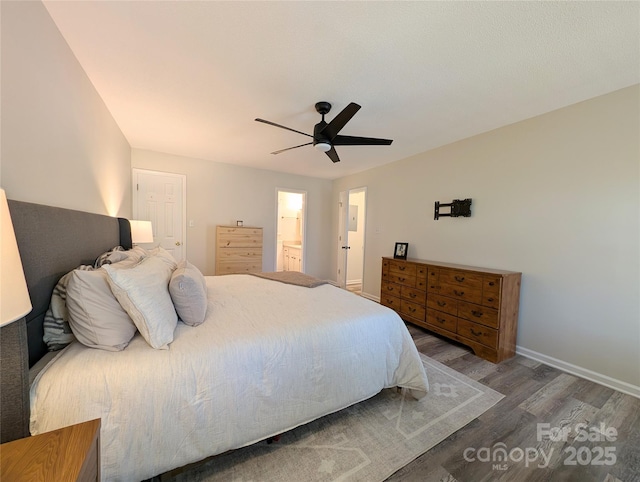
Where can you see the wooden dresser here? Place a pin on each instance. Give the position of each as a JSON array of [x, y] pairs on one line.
[[477, 307], [238, 250], [71, 453]]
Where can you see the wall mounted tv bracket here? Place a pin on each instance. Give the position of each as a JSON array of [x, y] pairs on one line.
[[458, 208]]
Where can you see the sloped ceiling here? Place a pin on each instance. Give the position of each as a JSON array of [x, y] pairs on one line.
[[190, 77]]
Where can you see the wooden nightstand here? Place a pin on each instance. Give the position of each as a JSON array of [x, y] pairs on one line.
[[67, 454]]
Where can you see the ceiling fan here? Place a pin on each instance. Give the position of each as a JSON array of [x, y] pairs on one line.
[[326, 136]]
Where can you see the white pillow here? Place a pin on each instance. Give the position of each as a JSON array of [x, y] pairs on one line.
[[143, 292], [188, 290], [165, 255], [96, 318]]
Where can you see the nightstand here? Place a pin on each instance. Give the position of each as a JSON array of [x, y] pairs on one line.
[[70, 454]]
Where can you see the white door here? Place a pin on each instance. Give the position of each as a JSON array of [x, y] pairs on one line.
[[159, 197], [343, 238]]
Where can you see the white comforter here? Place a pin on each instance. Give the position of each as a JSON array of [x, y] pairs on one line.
[[269, 357]]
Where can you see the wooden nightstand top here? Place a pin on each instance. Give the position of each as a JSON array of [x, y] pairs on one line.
[[69, 454]]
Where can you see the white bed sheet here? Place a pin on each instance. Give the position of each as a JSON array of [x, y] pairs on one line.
[[269, 357]]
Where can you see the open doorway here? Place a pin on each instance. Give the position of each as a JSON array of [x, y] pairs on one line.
[[290, 230], [351, 224]]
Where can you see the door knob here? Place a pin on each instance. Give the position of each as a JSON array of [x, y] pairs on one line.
[[178, 243]]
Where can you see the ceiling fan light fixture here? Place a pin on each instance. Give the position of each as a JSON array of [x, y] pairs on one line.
[[323, 146]]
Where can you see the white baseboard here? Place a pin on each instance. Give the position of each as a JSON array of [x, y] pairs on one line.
[[354, 282], [370, 297], [590, 375]]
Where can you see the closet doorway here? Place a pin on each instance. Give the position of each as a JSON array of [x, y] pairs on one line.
[[290, 230], [351, 237]]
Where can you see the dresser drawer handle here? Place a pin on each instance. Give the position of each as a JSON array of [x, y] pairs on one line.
[[390, 288], [490, 300], [412, 310], [458, 293], [402, 268], [491, 283], [389, 301], [441, 303], [441, 320], [475, 333], [402, 279], [459, 279], [476, 313], [412, 295]]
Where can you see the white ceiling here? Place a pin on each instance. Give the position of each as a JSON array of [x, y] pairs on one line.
[[190, 77]]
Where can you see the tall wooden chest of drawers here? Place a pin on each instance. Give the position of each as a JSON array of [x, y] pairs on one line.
[[477, 307], [238, 250]]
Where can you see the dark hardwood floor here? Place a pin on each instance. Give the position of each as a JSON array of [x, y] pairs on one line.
[[545, 411]]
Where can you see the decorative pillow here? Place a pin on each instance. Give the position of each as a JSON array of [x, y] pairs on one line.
[[104, 257], [57, 332], [143, 292], [188, 290], [95, 316], [133, 255], [165, 255]]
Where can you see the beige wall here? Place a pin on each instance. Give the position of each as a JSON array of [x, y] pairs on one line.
[[555, 197], [220, 193], [60, 145]]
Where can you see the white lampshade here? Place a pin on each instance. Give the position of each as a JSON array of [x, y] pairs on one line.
[[141, 232], [14, 296]]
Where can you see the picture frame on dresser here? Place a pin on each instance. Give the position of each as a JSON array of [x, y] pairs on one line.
[[400, 251]]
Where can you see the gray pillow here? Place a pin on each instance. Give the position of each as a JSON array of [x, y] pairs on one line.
[[188, 291], [95, 315], [57, 332]]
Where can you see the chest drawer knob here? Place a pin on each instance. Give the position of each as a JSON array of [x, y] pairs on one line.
[[402, 268], [459, 279], [458, 293], [490, 300], [402, 279], [441, 303], [475, 333], [412, 295], [476, 313]]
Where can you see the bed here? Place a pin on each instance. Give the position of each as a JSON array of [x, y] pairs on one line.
[[269, 356]]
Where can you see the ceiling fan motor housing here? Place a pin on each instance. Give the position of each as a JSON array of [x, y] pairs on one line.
[[318, 136]]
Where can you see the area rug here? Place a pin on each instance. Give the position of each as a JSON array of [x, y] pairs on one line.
[[366, 442]]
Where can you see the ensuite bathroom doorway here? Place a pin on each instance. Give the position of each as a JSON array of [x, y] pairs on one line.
[[290, 230]]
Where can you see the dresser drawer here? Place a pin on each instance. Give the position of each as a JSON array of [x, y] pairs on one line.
[[491, 292], [239, 254], [413, 310], [462, 279], [465, 293], [390, 289], [239, 238], [235, 267], [402, 279], [433, 275], [402, 268], [442, 303], [390, 301], [482, 334], [442, 320], [478, 314], [413, 294]]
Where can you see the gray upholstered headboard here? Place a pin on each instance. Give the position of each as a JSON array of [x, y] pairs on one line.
[[52, 241]]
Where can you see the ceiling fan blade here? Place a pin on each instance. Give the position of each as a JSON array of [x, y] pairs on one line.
[[289, 148], [332, 128], [282, 127], [333, 155], [360, 141]]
